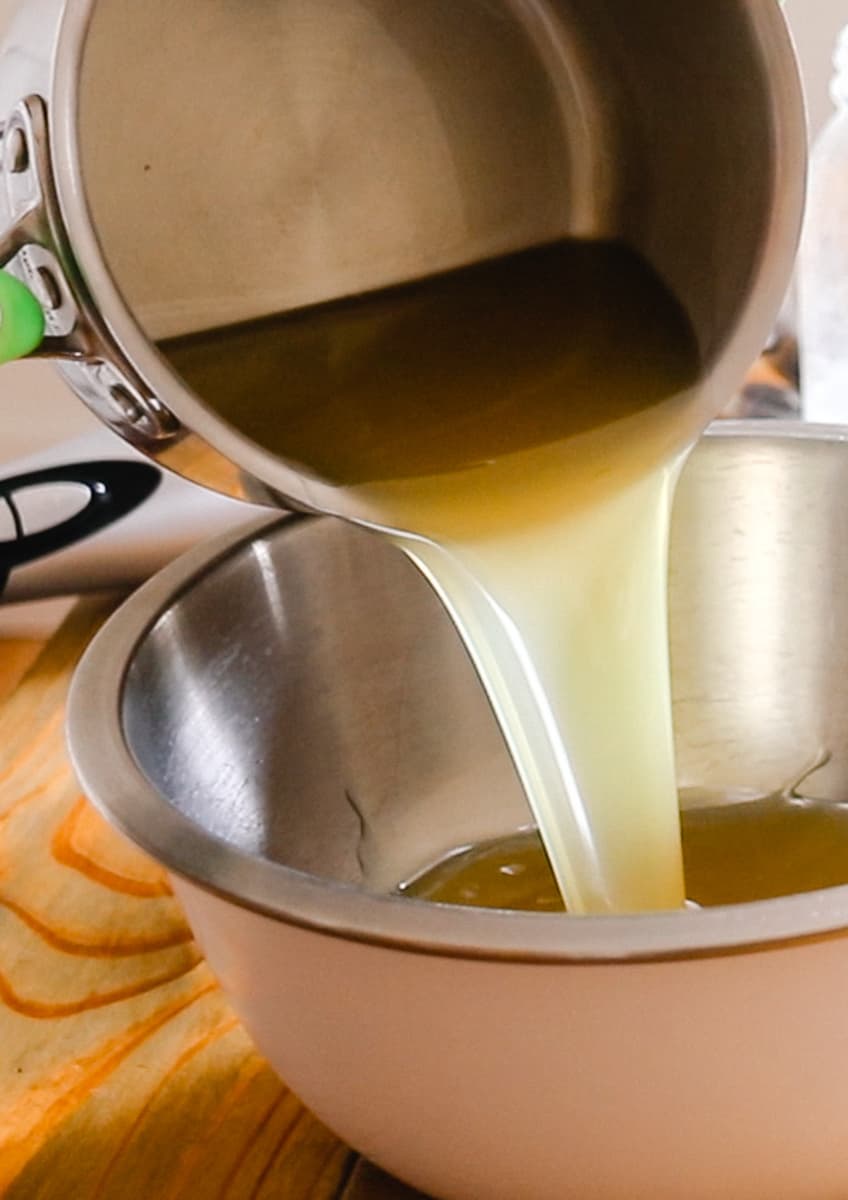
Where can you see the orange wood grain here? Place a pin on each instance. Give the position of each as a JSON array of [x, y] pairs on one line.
[[123, 1071], [16, 657]]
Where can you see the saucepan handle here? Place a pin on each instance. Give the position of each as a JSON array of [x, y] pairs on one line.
[[45, 307], [38, 313], [21, 319]]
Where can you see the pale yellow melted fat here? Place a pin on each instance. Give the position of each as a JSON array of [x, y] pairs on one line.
[[526, 417], [733, 854]]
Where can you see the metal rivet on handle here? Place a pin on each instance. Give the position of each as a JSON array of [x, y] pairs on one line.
[[16, 151], [127, 405], [52, 291]]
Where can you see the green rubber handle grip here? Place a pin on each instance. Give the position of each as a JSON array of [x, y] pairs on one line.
[[21, 319]]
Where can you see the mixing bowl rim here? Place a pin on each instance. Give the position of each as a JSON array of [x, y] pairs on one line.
[[116, 785]]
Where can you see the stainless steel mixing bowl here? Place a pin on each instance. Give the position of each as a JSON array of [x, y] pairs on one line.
[[288, 721]]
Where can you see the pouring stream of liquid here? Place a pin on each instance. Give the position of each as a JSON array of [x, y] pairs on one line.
[[525, 419], [577, 673]]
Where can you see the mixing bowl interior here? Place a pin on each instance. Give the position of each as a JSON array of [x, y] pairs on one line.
[[291, 712], [310, 701]]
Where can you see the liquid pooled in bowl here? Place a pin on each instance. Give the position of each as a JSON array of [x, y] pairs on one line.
[[733, 853], [526, 417]]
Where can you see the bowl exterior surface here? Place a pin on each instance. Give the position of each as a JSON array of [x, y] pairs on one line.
[[718, 1076]]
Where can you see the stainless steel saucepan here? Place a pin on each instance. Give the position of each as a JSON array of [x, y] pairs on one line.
[[174, 167]]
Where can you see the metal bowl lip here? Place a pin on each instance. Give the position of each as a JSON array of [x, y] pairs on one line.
[[116, 785]]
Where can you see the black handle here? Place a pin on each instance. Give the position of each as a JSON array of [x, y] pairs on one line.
[[115, 488]]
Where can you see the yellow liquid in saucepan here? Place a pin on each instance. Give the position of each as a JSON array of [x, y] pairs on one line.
[[527, 416]]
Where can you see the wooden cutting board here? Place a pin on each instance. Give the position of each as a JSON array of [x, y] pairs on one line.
[[123, 1071]]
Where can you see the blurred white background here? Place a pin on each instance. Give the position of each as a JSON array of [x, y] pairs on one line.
[[36, 408], [815, 24]]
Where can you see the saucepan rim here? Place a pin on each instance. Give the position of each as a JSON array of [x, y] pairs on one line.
[[112, 778]]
